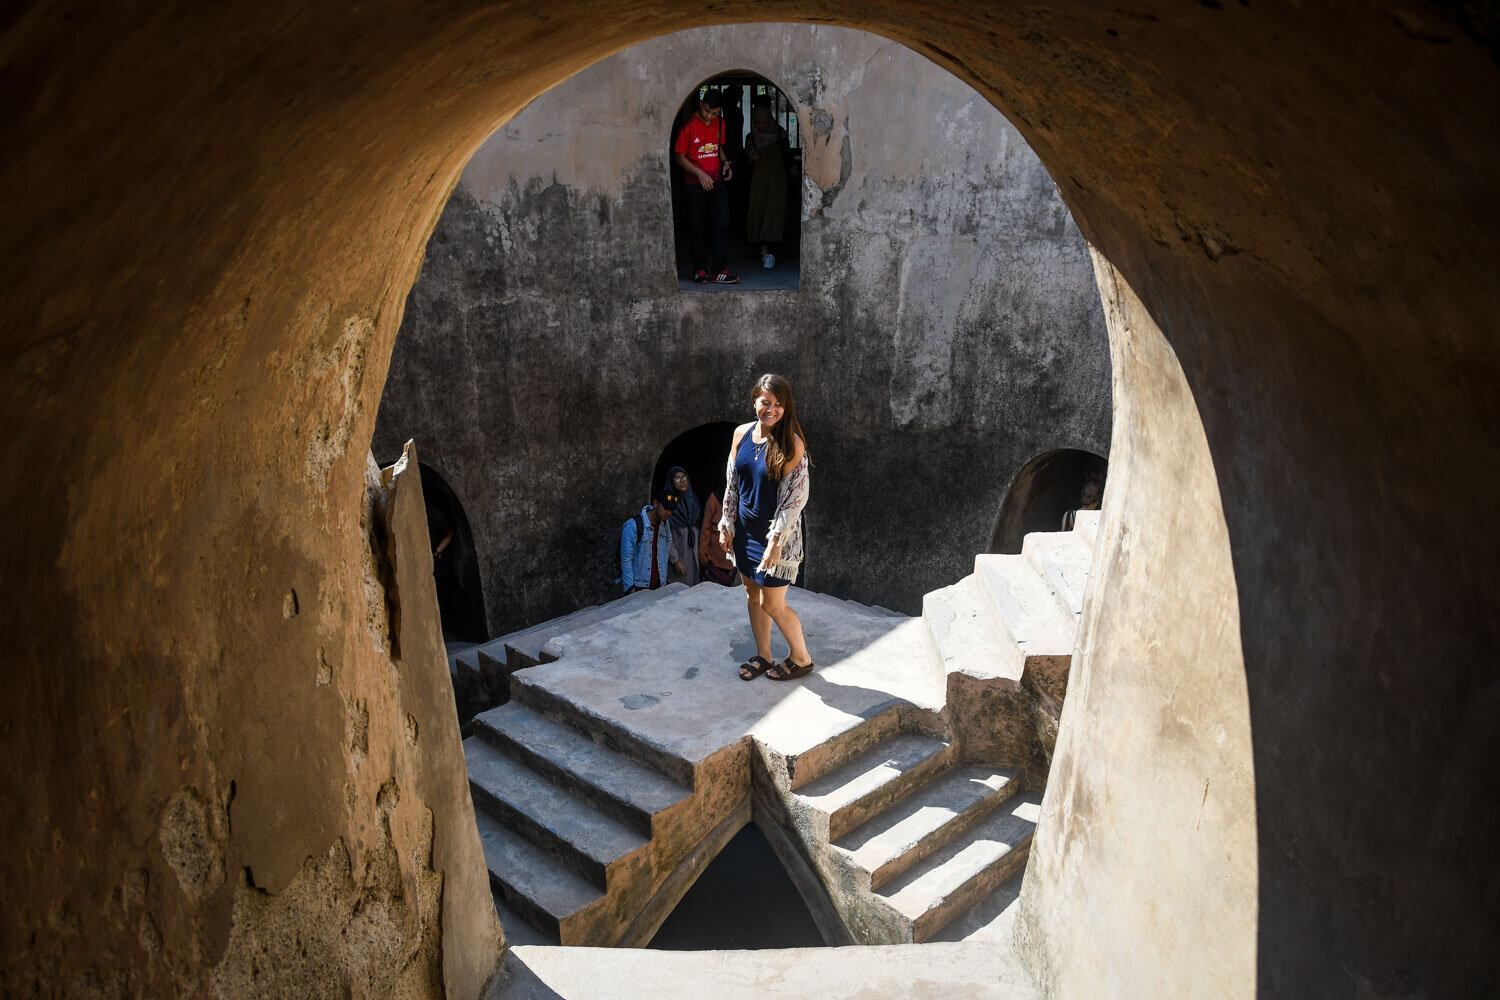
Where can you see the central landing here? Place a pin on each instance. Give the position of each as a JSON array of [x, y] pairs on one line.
[[668, 674]]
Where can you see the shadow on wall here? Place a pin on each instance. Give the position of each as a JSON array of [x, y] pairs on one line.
[[1043, 492], [455, 569]]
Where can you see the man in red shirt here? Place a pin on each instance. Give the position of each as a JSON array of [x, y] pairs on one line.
[[699, 151]]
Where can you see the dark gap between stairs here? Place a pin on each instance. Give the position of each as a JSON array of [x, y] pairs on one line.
[[743, 900]]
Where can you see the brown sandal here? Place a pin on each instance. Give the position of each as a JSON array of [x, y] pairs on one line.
[[754, 671], [787, 670]]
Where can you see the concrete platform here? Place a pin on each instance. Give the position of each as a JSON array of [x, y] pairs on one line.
[[978, 970], [675, 686], [620, 768]]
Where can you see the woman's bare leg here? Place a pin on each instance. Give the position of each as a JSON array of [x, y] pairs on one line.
[[760, 622], [773, 605]]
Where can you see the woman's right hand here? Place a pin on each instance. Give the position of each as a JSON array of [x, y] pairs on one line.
[[726, 538]]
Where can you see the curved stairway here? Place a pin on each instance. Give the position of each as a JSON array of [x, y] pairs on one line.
[[900, 788]]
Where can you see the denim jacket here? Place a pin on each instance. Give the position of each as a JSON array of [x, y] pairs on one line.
[[635, 554]]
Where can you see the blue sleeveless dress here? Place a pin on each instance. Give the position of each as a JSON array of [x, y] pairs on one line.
[[756, 509]]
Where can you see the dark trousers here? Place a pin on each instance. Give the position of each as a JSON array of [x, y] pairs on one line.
[[705, 208]]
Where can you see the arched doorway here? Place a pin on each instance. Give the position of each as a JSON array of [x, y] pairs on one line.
[[1042, 492], [455, 569], [763, 139], [702, 451]]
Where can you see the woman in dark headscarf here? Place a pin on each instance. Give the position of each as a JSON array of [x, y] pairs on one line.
[[685, 526]]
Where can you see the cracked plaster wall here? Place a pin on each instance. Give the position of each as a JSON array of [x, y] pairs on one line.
[[947, 328]]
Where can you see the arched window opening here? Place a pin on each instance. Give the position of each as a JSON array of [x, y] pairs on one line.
[[1043, 492], [455, 565], [752, 231]]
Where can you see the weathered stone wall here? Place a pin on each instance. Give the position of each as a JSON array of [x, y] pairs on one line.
[[215, 219], [1176, 721], [946, 330]]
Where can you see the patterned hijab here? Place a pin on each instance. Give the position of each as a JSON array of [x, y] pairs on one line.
[[689, 512]]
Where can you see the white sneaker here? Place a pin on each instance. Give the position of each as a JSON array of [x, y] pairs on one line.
[[767, 260]]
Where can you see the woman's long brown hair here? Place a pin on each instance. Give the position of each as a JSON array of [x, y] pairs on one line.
[[781, 446]]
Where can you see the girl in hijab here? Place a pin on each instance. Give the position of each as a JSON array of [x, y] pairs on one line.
[[684, 524]]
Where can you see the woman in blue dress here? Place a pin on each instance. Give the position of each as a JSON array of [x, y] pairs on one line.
[[766, 489]]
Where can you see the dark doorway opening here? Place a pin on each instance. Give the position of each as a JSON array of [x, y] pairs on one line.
[[1042, 492], [765, 191], [743, 899], [703, 452], [455, 570]]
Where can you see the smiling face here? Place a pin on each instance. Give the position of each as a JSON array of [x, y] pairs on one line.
[[680, 481], [768, 409]]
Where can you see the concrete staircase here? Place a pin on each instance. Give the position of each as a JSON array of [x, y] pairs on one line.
[[481, 671], [900, 785], [921, 832], [909, 838], [561, 817], [1004, 637]]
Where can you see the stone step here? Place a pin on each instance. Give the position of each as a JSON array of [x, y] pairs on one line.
[[518, 929], [828, 756], [872, 610], [1086, 525], [608, 781], [539, 645], [606, 732], [466, 658], [522, 649], [992, 917], [951, 879], [940, 811], [1062, 558], [1023, 605], [862, 787], [546, 815], [453, 650], [537, 886], [966, 635]]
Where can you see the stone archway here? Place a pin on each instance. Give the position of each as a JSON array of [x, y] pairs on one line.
[[1295, 206], [742, 90], [459, 591], [1041, 492]]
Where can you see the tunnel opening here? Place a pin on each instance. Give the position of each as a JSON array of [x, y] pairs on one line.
[[1045, 492], [455, 564], [761, 203], [744, 899]]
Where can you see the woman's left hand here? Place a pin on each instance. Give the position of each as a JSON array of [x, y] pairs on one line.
[[771, 558]]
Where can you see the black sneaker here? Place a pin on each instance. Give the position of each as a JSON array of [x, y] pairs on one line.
[[725, 278], [701, 277]]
